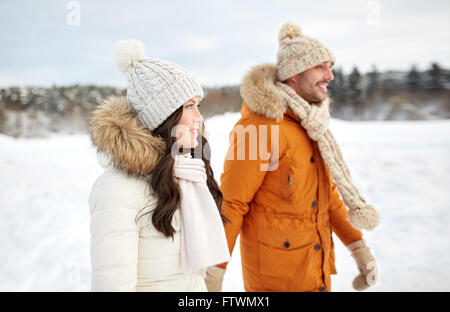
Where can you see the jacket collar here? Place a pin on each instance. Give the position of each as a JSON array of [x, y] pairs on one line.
[[260, 93], [116, 132]]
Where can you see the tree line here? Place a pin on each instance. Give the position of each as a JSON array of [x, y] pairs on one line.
[[373, 95]]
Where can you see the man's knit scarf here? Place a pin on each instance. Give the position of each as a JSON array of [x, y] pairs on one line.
[[315, 119]]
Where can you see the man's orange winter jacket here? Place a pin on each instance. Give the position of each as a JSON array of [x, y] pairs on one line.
[[280, 198]]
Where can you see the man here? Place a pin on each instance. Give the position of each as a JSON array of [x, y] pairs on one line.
[[286, 206]]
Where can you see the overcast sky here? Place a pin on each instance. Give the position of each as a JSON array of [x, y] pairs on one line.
[[217, 41]]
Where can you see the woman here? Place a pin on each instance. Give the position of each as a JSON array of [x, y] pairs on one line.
[[155, 211]]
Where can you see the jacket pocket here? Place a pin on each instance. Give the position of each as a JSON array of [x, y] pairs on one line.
[[285, 256], [286, 179]]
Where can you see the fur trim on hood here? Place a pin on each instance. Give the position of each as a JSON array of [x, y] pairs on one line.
[[260, 93], [115, 130]]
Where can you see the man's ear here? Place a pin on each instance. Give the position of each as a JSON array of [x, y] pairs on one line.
[[291, 81]]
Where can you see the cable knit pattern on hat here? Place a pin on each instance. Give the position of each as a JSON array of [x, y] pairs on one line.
[[155, 88], [298, 52]]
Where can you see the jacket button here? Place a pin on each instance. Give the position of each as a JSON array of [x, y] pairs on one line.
[[314, 203], [312, 159], [286, 244], [322, 289], [318, 246]]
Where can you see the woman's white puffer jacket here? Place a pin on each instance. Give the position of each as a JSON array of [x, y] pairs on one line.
[[127, 252]]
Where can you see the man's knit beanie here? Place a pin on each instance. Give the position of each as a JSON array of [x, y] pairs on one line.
[[298, 52]]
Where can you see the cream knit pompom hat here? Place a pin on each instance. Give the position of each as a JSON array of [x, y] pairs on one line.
[[298, 52], [155, 88]]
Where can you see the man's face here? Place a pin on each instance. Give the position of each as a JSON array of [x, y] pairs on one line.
[[312, 84]]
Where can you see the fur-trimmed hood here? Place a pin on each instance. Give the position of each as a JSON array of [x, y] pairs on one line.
[[260, 93], [116, 132]]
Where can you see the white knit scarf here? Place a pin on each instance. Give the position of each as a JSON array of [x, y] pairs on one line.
[[315, 119], [203, 240]]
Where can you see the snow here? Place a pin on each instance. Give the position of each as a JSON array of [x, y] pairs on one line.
[[402, 168]]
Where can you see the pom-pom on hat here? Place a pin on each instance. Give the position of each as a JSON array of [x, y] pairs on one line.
[[128, 51], [298, 52], [155, 88]]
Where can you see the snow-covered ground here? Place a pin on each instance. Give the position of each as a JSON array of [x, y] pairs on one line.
[[402, 168]]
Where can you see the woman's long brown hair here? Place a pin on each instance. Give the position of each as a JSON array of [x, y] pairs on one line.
[[162, 182]]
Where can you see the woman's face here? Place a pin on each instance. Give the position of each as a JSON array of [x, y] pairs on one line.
[[189, 124]]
